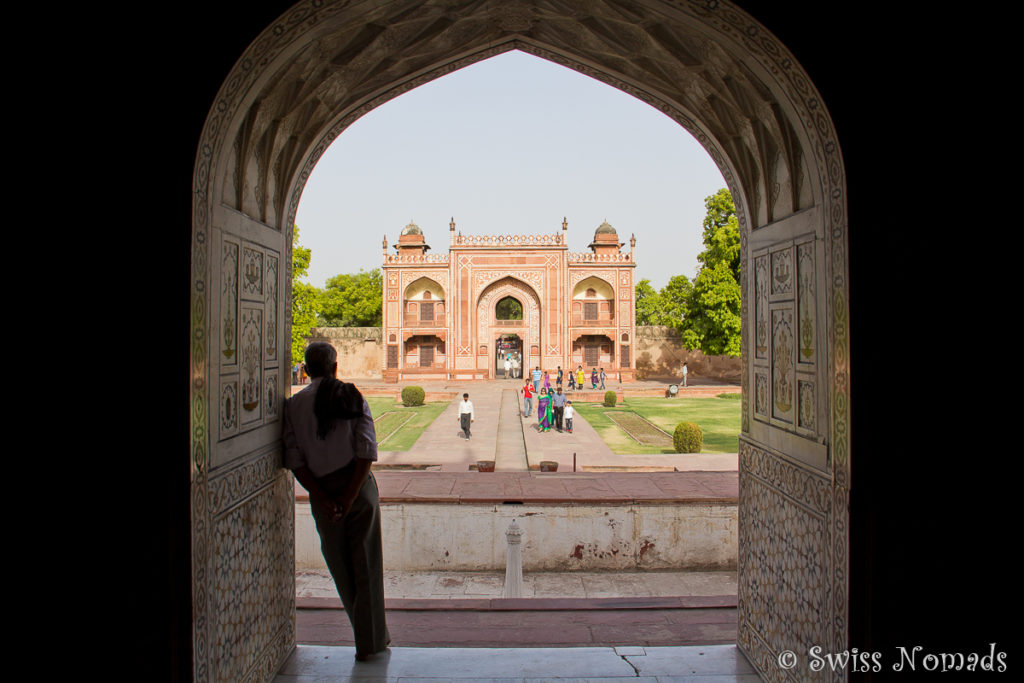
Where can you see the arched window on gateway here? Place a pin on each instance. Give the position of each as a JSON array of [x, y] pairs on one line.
[[555, 307]]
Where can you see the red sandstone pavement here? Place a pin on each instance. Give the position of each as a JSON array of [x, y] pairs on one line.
[[613, 488], [542, 626]]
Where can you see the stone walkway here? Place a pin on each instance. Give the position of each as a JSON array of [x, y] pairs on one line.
[[510, 449]]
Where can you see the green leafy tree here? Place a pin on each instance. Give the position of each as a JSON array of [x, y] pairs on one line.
[[721, 233], [305, 299], [711, 315], [508, 309], [353, 300], [674, 301], [712, 322], [648, 304]]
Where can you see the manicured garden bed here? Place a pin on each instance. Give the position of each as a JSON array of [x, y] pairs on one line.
[[719, 418]]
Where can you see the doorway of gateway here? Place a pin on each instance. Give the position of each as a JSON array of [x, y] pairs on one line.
[[508, 347]]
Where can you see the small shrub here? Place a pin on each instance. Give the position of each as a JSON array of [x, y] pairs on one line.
[[732, 397], [609, 399], [413, 396], [688, 438]]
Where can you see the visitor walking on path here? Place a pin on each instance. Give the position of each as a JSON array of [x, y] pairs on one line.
[[593, 378], [572, 380], [536, 379], [508, 367], [527, 399], [602, 377], [569, 412], [686, 371], [580, 377], [544, 413], [466, 415], [558, 407], [558, 378], [547, 381]]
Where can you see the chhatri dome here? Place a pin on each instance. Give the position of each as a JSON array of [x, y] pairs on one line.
[[606, 240], [411, 241]]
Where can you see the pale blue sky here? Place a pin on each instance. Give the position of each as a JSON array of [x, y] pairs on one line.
[[509, 145]]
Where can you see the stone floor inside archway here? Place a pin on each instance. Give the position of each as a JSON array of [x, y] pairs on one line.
[[520, 665]]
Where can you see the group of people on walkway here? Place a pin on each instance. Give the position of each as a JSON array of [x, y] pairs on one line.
[[512, 367], [554, 409], [577, 378]]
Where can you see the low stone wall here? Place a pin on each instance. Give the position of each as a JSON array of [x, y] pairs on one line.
[[580, 537], [660, 355], [359, 350]]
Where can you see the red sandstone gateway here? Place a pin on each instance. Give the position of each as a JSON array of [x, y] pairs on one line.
[[526, 297]]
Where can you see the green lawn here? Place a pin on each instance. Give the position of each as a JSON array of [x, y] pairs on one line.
[[399, 427], [719, 418]]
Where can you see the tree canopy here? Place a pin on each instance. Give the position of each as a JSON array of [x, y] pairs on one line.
[[705, 312], [648, 304], [305, 299], [353, 300]]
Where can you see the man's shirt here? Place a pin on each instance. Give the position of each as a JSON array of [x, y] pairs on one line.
[[466, 407], [348, 439], [558, 400]]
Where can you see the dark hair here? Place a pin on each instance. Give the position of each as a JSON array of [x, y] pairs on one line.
[[320, 356], [465, 396], [335, 400]]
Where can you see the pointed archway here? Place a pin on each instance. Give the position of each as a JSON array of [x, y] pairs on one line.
[[708, 66]]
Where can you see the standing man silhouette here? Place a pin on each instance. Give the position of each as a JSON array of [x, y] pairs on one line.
[[330, 444]]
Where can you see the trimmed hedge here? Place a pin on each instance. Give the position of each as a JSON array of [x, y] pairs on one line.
[[688, 438], [609, 399], [413, 396]]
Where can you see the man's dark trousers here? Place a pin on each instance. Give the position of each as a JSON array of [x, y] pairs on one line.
[[352, 550]]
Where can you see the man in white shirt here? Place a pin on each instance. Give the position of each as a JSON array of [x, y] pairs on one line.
[[465, 415], [686, 371], [330, 444]]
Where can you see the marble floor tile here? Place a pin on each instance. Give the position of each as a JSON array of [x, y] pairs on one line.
[[691, 661], [337, 663]]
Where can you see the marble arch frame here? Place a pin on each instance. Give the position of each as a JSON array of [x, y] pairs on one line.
[[709, 66]]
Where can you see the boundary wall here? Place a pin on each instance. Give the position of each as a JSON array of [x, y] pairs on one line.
[[659, 354]]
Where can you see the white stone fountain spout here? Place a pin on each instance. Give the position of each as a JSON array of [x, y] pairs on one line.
[[514, 562]]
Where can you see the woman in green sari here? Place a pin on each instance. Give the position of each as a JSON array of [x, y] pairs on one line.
[[545, 414]]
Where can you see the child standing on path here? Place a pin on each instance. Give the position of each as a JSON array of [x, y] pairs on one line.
[[569, 412]]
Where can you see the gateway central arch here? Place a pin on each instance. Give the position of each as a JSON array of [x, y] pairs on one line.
[[709, 66]]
